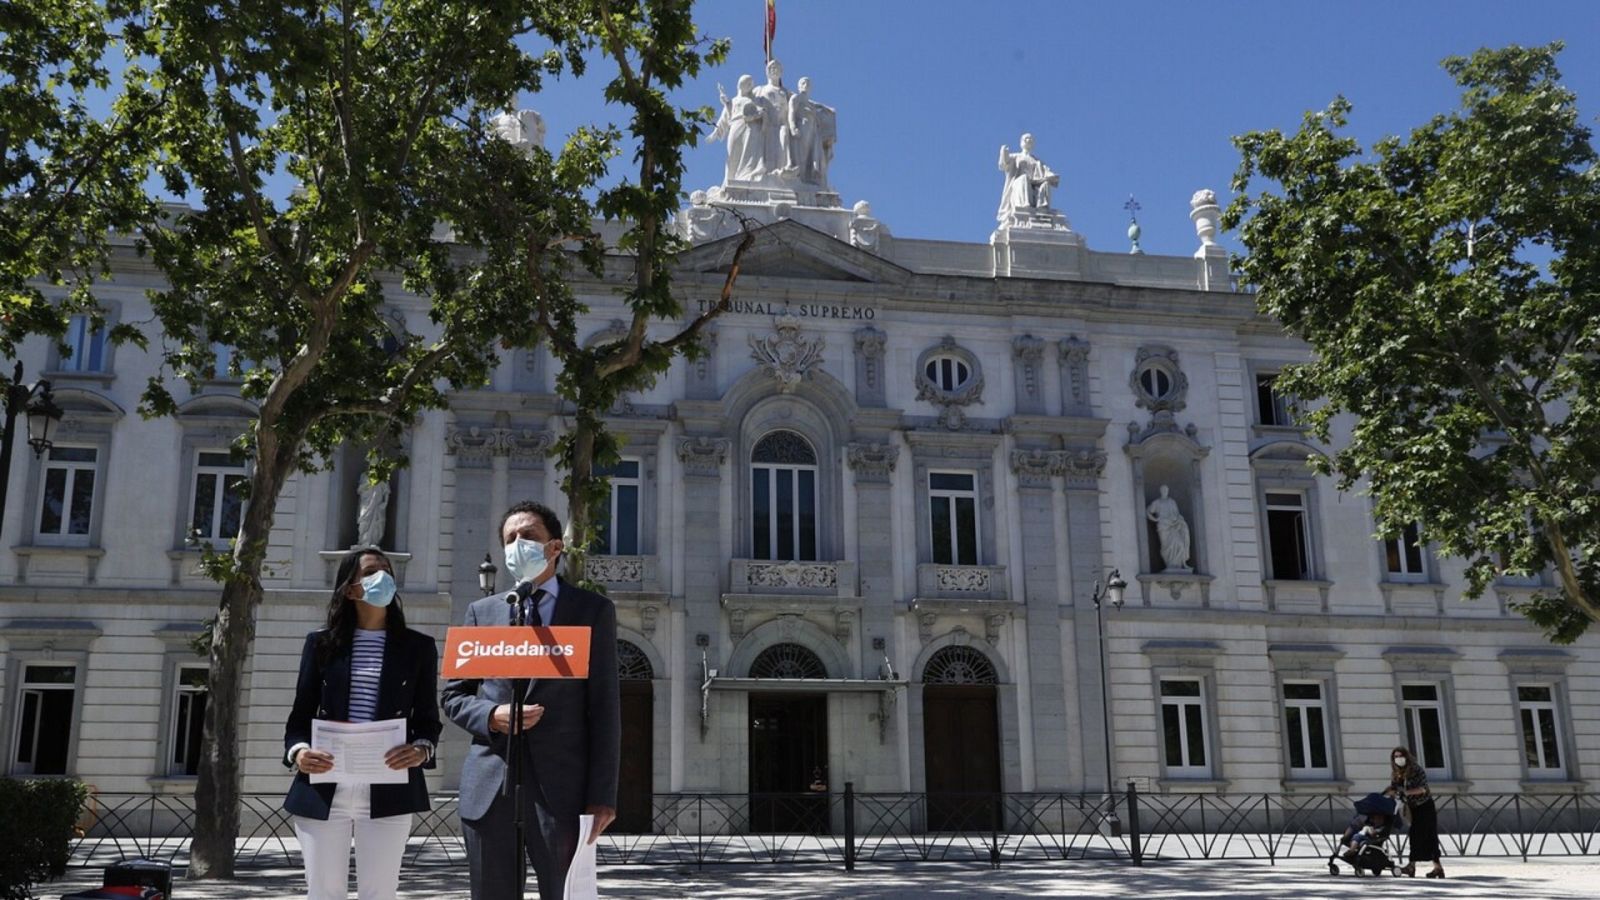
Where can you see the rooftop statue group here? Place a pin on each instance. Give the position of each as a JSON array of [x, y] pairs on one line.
[[776, 136]]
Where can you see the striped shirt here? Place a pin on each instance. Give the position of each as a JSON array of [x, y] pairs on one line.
[[366, 669]]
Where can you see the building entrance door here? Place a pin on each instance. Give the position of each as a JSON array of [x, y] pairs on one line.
[[961, 747], [638, 741], [788, 763]]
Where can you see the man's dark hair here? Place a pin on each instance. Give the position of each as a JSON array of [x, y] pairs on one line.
[[552, 522]]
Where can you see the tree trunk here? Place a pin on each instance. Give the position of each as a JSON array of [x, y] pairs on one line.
[[579, 485], [216, 795]]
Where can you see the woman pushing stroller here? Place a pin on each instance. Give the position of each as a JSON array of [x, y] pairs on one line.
[[1408, 782]]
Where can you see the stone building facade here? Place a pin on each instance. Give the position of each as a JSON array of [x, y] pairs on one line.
[[859, 540]]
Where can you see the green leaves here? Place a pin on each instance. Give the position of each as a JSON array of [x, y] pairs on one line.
[[1450, 285]]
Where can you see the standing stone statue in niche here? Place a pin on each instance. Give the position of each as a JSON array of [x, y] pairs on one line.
[[372, 509], [1028, 182], [741, 125], [1173, 532], [812, 131]]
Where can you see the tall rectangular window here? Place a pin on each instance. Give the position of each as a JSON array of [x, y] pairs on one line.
[[67, 502], [953, 505], [1541, 737], [1288, 536], [190, 694], [1305, 729], [88, 346], [1403, 555], [218, 496], [44, 719], [1273, 406], [227, 358], [617, 533], [1425, 726], [1183, 727]]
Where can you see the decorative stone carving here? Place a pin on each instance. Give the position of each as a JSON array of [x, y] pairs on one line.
[[702, 455], [866, 232], [1083, 466], [1073, 354], [966, 393], [991, 628], [1159, 385], [962, 579], [1028, 352], [787, 356], [473, 443], [736, 629], [708, 353], [872, 462], [843, 621], [648, 615], [701, 222], [870, 389], [523, 129], [925, 623], [526, 446], [742, 124], [1036, 468], [792, 574], [1205, 213], [1025, 197], [1172, 530], [616, 569]]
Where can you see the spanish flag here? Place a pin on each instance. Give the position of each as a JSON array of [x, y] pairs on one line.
[[772, 27]]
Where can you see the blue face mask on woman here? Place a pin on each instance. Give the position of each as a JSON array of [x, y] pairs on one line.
[[378, 589]]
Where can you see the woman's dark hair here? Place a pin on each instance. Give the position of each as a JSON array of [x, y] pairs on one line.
[[1411, 759], [341, 622]]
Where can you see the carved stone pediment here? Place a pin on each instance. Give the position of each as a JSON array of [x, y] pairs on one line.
[[788, 249]]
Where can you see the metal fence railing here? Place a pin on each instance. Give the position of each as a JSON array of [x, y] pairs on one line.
[[851, 827]]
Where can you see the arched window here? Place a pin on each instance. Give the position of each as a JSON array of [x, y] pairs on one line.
[[632, 664], [787, 661], [783, 498], [959, 665]]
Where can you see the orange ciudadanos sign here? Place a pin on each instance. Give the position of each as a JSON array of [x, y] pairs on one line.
[[509, 651]]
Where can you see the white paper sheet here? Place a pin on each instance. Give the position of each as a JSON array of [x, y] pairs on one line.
[[358, 749], [582, 879]]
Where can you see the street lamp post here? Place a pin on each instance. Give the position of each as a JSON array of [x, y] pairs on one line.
[[486, 575], [1110, 591], [40, 406]]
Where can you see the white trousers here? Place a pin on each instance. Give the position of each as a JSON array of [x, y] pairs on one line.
[[325, 845]]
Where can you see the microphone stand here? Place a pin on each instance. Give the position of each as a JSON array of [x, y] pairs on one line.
[[511, 786]]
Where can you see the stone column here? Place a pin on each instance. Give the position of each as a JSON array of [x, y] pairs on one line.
[[1082, 468], [873, 464], [1041, 584], [703, 371], [1074, 357], [702, 566]]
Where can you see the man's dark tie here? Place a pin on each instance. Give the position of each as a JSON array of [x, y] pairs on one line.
[[533, 618]]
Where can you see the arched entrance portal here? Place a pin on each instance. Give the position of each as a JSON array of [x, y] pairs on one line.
[[634, 782], [788, 746], [961, 740]]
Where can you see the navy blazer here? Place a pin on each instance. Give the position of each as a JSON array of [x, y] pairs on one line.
[[576, 747], [408, 687]]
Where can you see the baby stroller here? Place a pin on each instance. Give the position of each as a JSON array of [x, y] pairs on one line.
[[1362, 844]]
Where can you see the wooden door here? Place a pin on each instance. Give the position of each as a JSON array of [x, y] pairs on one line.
[[961, 751], [788, 760], [635, 780]]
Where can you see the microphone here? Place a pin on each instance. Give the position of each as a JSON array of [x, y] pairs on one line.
[[517, 597]]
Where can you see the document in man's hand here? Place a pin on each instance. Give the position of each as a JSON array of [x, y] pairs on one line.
[[358, 749], [582, 881]]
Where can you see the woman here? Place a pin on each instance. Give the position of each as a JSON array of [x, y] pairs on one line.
[[364, 666], [1408, 781]]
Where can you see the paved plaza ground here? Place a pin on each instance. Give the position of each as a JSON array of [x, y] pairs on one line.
[[1300, 879]]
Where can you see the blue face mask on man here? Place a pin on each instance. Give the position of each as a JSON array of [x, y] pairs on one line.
[[525, 559], [378, 589]]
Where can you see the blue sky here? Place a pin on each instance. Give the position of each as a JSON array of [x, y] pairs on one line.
[[1122, 98]]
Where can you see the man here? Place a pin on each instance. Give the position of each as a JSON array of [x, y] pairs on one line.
[[573, 726], [1028, 181]]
